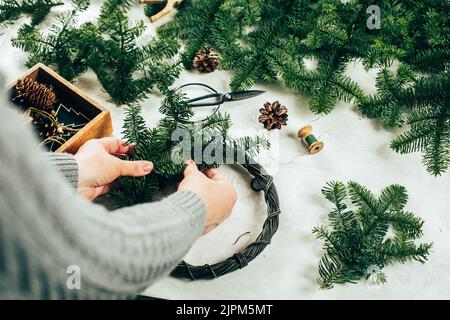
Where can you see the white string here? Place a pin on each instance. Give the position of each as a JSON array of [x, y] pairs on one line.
[[299, 155]]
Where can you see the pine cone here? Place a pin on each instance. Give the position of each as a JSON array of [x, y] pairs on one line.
[[44, 126], [35, 94], [273, 115], [206, 60]]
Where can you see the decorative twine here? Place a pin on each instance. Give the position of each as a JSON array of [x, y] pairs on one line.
[[240, 260]]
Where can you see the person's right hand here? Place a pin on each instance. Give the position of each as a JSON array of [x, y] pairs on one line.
[[214, 189]]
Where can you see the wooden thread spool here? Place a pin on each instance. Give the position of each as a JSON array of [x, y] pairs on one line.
[[308, 138]]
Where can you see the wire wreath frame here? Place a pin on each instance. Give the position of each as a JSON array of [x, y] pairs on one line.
[[261, 182]]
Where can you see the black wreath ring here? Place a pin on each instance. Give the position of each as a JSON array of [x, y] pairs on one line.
[[261, 182]]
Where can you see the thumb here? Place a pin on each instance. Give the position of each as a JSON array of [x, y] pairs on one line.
[[214, 175], [135, 168], [191, 168]]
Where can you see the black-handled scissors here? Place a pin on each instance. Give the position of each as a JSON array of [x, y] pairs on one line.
[[220, 98]]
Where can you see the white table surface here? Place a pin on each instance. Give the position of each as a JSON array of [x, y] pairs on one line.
[[356, 148]]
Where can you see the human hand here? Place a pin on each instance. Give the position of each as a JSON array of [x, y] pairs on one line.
[[98, 168], [216, 191]]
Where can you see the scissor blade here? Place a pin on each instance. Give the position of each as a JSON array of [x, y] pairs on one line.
[[242, 95]]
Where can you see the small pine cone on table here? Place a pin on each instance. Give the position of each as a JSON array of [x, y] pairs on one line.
[[44, 127], [35, 94], [206, 60], [273, 115]]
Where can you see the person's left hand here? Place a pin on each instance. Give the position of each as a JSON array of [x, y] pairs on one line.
[[98, 168]]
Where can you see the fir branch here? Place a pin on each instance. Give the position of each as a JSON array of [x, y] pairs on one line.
[[340, 217], [195, 23], [60, 47], [354, 246], [412, 141], [393, 199], [332, 271], [406, 224], [217, 23], [135, 129], [394, 97], [337, 37], [404, 251], [126, 70], [256, 63], [157, 145], [11, 10], [429, 124], [418, 30]]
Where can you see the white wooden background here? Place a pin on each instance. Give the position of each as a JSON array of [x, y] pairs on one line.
[[356, 149]]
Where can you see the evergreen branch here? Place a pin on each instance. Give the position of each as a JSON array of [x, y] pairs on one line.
[[406, 224], [331, 244], [11, 10], [330, 271], [351, 253], [404, 251], [340, 219], [437, 152], [439, 56], [195, 23], [393, 199], [365, 200], [128, 71], [411, 141], [168, 154], [59, 48]]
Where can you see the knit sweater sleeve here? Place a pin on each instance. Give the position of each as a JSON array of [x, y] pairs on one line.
[[50, 238], [67, 165]]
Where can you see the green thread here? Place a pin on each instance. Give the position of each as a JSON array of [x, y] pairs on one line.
[[309, 140]]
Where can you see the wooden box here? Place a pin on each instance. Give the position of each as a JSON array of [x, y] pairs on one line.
[[98, 124]]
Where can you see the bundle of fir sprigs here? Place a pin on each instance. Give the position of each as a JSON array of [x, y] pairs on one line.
[[360, 242], [175, 139]]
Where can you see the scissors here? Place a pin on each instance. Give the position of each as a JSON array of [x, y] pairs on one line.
[[220, 98]]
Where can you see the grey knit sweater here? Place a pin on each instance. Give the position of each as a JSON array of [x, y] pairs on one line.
[[50, 238]]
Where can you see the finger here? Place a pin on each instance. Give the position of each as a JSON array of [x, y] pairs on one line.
[[113, 145], [191, 168], [109, 187], [214, 174], [104, 189], [210, 228], [135, 168], [131, 148]]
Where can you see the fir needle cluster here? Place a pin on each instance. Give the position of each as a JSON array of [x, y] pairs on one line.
[[11, 10], [377, 233]]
